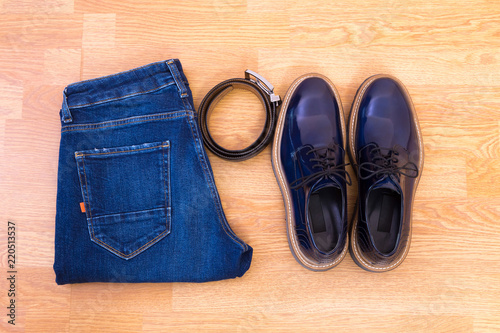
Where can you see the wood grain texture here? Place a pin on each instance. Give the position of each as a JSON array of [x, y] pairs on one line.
[[447, 55]]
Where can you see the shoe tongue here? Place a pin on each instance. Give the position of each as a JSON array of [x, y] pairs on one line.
[[325, 182], [308, 167], [387, 183], [306, 157]]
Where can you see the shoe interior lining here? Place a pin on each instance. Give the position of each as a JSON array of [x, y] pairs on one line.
[[325, 215], [384, 218]]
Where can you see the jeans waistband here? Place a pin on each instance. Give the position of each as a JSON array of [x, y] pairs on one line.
[[136, 81]]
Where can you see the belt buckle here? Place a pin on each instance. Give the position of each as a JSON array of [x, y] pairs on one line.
[[264, 84]]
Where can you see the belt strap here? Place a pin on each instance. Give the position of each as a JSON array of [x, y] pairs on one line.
[[264, 91]]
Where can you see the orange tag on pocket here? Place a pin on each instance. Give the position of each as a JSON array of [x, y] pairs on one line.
[[82, 207]]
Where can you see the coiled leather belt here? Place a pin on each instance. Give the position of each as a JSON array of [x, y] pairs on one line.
[[264, 91]]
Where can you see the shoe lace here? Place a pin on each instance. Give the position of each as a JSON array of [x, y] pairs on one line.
[[327, 167], [384, 162]]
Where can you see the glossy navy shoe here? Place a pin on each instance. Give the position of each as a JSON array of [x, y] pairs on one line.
[[309, 163], [386, 146]]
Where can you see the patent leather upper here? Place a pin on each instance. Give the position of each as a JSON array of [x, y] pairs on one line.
[[387, 153], [313, 158]]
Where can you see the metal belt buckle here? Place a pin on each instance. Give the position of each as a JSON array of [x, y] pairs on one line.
[[265, 85]]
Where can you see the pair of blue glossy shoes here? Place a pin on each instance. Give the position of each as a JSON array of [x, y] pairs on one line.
[[309, 160]]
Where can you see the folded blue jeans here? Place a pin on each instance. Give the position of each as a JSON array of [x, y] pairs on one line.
[[136, 198]]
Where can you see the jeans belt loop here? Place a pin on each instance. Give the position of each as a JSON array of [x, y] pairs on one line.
[[65, 113], [177, 77]]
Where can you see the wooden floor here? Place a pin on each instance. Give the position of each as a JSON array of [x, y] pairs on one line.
[[446, 52]]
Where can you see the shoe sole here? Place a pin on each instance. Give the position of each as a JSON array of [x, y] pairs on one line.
[[354, 248], [279, 172]]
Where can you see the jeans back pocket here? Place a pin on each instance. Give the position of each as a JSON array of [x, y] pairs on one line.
[[126, 191]]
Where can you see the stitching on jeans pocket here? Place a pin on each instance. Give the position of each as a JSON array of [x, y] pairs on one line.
[[126, 191]]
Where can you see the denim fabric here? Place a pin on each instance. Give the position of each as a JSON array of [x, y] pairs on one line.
[[136, 198]]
